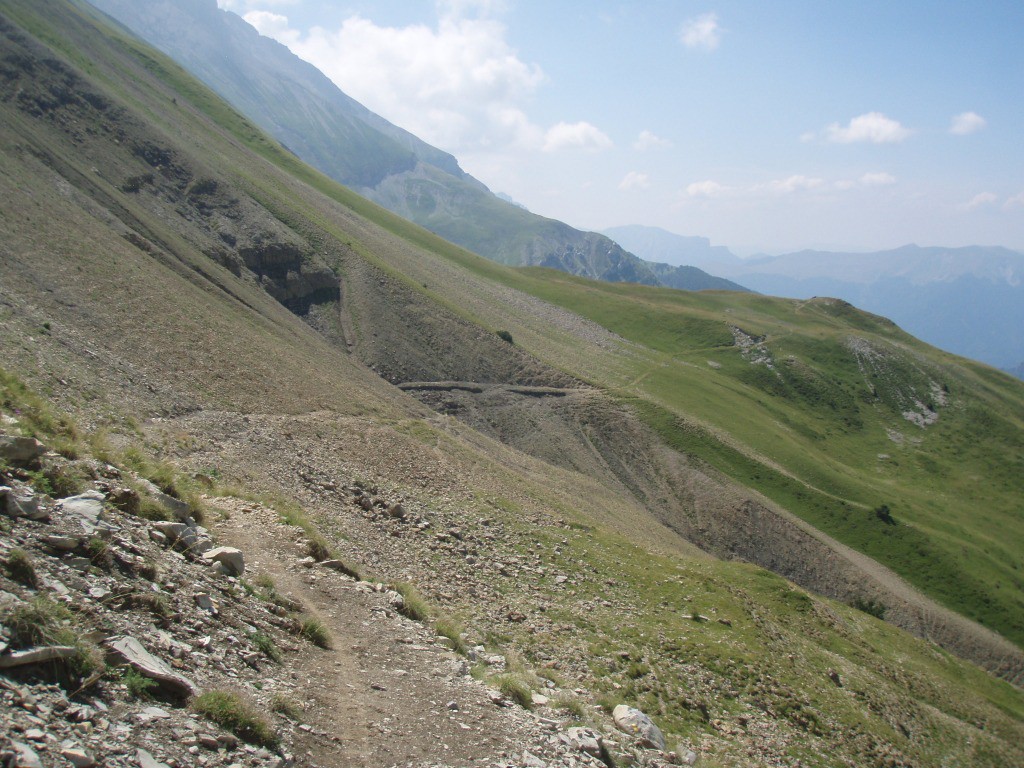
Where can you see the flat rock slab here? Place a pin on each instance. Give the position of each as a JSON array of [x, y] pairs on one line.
[[24, 756], [37, 656], [145, 760], [130, 651], [86, 508]]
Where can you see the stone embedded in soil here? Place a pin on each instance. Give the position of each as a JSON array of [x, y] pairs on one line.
[[20, 503], [145, 760], [231, 558], [130, 651], [78, 757]]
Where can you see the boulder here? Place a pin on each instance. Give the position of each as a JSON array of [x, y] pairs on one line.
[[128, 650], [205, 602], [37, 656], [20, 503], [179, 534], [231, 558], [20, 450], [636, 723], [63, 543], [78, 757], [24, 756], [204, 542]]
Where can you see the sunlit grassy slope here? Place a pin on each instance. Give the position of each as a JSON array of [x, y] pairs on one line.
[[820, 429]]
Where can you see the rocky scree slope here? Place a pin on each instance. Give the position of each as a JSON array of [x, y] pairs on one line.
[[227, 381], [133, 640]]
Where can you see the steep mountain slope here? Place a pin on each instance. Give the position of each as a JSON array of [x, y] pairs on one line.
[[967, 300], [166, 275], [300, 107]]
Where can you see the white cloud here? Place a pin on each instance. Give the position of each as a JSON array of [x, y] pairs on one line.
[[966, 123], [457, 84], [463, 8], [789, 185], [272, 25], [701, 32], [872, 127], [1017, 201], [980, 200], [648, 140], [880, 179], [635, 180], [580, 135], [867, 180], [707, 189]]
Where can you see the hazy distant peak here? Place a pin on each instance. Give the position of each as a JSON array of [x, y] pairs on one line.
[[660, 245]]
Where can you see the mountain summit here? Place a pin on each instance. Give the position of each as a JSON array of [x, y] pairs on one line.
[[305, 111]]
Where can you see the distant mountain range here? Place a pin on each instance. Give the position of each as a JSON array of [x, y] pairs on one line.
[[967, 300], [305, 111]]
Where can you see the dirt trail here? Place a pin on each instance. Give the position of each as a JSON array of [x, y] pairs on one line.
[[387, 692]]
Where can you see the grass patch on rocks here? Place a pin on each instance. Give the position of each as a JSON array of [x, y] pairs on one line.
[[234, 713], [39, 622], [20, 568], [514, 688], [267, 647], [451, 631], [36, 418], [414, 606], [315, 631], [283, 705]]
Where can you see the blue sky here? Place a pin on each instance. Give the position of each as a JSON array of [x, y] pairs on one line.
[[764, 126]]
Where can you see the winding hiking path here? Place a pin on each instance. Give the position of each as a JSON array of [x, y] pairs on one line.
[[387, 692]]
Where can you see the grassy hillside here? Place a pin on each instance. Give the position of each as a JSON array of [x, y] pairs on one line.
[[822, 430], [807, 432], [123, 301]]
